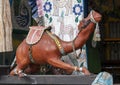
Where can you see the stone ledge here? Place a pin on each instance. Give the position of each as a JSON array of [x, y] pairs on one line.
[[48, 79]]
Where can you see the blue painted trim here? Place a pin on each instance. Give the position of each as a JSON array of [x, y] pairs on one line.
[[10, 2], [85, 5]]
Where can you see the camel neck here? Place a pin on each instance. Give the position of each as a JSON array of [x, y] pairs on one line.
[[83, 36], [80, 39]]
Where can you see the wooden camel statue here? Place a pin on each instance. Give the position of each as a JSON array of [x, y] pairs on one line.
[[47, 51]]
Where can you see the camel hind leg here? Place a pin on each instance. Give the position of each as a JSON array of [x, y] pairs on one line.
[[17, 71], [21, 65]]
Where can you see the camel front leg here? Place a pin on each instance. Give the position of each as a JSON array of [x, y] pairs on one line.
[[67, 67]]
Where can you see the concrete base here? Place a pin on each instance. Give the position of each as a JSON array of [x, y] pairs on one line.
[[48, 79]]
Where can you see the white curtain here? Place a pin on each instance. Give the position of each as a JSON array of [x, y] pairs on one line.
[[5, 27]]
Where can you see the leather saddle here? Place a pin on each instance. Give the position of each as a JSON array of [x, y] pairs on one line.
[[35, 33]]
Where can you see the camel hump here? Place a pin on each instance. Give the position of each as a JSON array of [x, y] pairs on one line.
[[34, 34]]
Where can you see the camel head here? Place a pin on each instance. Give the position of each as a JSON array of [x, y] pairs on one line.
[[93, 16]]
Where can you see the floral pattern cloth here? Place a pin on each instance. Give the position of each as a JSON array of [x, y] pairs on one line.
[[62, 15]]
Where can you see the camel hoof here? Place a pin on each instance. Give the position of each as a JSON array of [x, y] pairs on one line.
[[22, 75]]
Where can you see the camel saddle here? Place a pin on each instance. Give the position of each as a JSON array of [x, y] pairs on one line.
[[35, 34]]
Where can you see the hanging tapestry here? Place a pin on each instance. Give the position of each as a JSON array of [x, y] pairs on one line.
[[21, 14]]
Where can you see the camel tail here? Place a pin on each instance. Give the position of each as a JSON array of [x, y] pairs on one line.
[[13, 63]]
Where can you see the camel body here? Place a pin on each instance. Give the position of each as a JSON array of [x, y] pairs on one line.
[[47, 52]]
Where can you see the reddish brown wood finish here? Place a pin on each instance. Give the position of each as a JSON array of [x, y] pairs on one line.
[[46, 51]]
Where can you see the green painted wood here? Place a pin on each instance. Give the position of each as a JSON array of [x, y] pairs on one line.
[[94, 61]]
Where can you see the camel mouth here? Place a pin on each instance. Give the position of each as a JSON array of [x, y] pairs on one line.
[[95, 17]]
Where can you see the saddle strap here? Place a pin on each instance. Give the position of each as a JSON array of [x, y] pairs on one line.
[[30, 54], [57, 43]]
